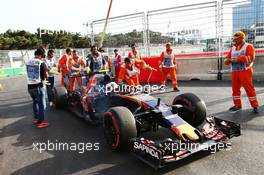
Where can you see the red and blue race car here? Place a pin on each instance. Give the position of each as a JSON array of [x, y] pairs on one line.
[[127, 116]]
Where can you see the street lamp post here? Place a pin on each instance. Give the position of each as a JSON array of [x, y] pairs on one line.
[[89, 32], [86, 24]]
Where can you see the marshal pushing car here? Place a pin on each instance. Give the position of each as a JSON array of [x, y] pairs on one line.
[[126, 117]]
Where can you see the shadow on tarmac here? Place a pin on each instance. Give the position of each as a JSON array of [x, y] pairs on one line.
[[66, 128], [241, 116]]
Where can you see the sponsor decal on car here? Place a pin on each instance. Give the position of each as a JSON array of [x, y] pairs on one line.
[[148, 150]]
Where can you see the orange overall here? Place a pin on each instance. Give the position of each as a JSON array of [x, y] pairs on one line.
[[134, 55], [130, 74], [63, 67], [117, 65], [168, 61], [242, 73], [76, 62]]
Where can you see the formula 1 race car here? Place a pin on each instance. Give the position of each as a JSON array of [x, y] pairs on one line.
[[82, 101], [126, 117]]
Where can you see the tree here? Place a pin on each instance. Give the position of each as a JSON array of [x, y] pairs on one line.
[[21, 39]]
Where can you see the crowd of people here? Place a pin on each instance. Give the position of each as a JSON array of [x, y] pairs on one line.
[[42, 69], [127, 69]]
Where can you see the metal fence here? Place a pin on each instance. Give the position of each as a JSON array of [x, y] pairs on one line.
[[132, 24], [201, 27], [189, 26], [196, 28]]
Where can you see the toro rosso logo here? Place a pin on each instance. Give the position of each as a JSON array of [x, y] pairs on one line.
[[146, 149]]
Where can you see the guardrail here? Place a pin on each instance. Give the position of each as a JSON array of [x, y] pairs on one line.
[[202, 66]]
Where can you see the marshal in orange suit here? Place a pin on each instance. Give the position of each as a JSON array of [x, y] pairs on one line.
[[63, 65], [130, 71], [76, 65], [168, 66], [241, 58]]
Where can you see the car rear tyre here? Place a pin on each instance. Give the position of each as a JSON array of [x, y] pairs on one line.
[[119, 128], [60, 97], [193, 110]]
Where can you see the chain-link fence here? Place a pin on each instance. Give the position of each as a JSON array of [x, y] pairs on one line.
[[195, 28], [204, 28], [244, 15], [122, 31], [190, 28]]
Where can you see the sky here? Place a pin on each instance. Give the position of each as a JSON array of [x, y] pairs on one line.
[[70, 15]]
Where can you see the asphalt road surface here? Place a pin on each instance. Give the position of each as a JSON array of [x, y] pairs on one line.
[[18, 137]]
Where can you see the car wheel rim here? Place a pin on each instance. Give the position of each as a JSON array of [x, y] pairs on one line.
[[183, 101], [111, 131]]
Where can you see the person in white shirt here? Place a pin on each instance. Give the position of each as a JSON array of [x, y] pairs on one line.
[[36, 74], [50, 62]]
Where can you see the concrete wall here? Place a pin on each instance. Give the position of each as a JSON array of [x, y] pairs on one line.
[[205, 68], [258, 67], [189, 67], [196, 68]]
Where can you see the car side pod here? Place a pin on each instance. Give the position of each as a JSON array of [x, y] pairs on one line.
[[157, 153]]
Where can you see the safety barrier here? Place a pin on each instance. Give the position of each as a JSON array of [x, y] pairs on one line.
[[147, 76], [202, 66], [188, 68], [257, 66]]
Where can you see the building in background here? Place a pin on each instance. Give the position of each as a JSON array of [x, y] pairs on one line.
[[246, 15], [250, 19], [188, 36]]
